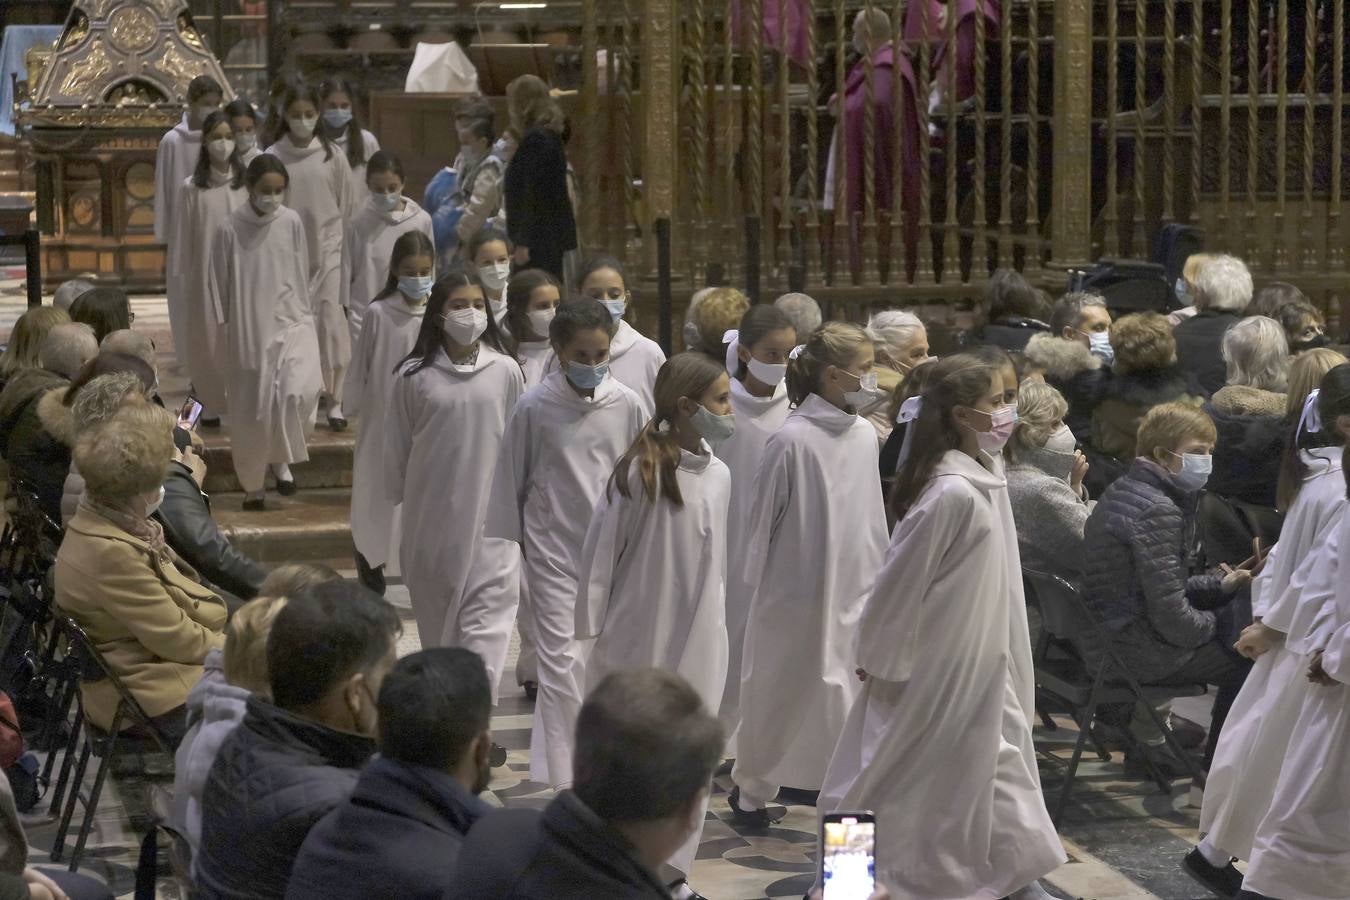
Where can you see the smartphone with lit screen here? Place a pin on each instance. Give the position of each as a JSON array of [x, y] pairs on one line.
[[848, 861], [189, 414]]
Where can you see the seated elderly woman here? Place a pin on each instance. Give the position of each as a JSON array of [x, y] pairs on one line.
[[116, 577], [1145, 375], [25, 340], [1223, 289], [1249, 412], [1169, 625], [1045, 474], [901, 344], [804, 312]]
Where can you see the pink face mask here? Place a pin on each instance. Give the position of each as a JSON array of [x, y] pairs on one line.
[[1002, 421]]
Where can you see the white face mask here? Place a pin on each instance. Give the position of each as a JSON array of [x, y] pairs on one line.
[[302, 127], [1062, 441], [388, 202], [267, 203], [152, 506], [495, 275], [498, 308], [711, 427], [246, 142], [867, 394], [766, 373], [220, 149], [540, 319], [464, 326]]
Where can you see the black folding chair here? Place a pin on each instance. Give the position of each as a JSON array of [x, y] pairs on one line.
[[1068, 622], [106, 745]]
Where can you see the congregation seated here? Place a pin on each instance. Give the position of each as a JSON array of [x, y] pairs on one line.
[[645, 753], [1249, 412], [296, 755], [1304, 327], [34, 424], [1168, 625], [900, 341], [399, 835], [1145, 375], [104, 309], [1045, 474], [118, 579], [25, 340], [65, 296], [1075, 355], [218, 701], [1223, 289], [804, 312], [1015, 309]]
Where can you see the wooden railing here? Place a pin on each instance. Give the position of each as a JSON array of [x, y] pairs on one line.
[[1036, 135]]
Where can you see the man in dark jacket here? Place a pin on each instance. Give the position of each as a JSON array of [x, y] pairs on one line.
[[1075, 356], [646, 750], [295, 759], [1168, 625], [1223, 289], [400, 833]]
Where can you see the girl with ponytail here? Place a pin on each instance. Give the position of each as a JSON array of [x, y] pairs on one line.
[[815, 536], [653, 567], [945, 658], [1296, 587]]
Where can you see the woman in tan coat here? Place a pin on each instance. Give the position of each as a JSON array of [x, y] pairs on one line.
[[115, 576]]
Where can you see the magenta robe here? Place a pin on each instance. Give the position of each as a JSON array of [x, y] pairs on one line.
[[798, 14], [917, 28]]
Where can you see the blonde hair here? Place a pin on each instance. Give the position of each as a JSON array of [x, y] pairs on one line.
[[25, 340], [293, 578], [1190, 270], [1169, 425], [128, 454], [1305, 375], [1039, 407], [656, 451], [832, 344], [531, 106], [245, 654], [716, 314], [1143, 341]]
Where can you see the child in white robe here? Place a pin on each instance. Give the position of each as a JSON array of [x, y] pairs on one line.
[[385, 216], [634, 358], [175, 160], [939, 742], [652, 580], [320, 191], [1255, 738], [561, 444], [490, 252], [456, 391], [341, 125], [244, 124], [210, 194], [394, 319], [757, 360], [259, 286], [816, 534]]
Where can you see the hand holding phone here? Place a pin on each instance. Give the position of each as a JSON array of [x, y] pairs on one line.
[[848, 863], [190, 412]]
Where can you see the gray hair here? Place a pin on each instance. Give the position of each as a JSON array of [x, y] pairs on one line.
[[1039, 407], [1224, 283], [69, 292], [1068, 311], [1256, 352], [893, 330], [98, 400], [692, 336], [67, 347], [132, 343], [803, 311]]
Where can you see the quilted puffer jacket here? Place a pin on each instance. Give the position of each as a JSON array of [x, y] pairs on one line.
[[275, 776], [1136, 573]]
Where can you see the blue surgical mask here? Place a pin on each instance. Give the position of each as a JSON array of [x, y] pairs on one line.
[[1195, 470], [616, 308], [713, 428], [1099, 342], [337, 118], [387, 202], [416, 287], [1183, 292], [587, 377]]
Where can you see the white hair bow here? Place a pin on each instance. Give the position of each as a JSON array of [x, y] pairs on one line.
[[796, 351], [1310, 422], [909, 411], [732, 340]]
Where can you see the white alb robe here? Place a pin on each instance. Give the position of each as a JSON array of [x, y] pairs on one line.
[[536, 357], [634, 360], [370, 248], [444, 434], [360, 191], [756, 419], [320, 191], [175, 160], [392, 329], [817, 534], [652, 587], [203, 211], [1302, 846], [939, 743], [259, 286], [1255, 738], [557, 454]]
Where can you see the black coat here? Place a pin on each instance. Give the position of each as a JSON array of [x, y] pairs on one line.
[[274, 778], [1011, 333], [1071, 369], [398, 836], [538, 208], [564, 853], [1252, 432], [38, 432], [1200, 347], [192, 533]]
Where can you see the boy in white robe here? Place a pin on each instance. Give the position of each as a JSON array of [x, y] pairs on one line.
[[560, 446]]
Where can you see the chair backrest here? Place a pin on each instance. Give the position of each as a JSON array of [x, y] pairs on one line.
[[1064, 615], [1227, 527], [93, 667]]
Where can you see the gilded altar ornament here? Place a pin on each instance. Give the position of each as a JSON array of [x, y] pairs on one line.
[[84, 73], [189, 33], [132, 29], [76, 33]]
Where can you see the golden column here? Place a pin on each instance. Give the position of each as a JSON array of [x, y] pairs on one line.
[[660, 90], [1071, 202]]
